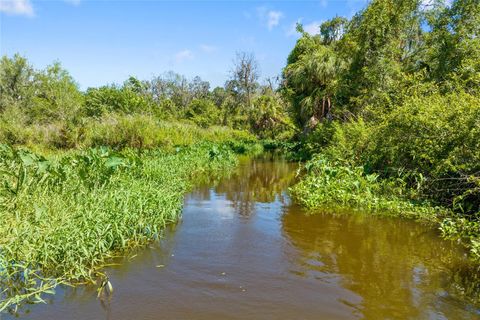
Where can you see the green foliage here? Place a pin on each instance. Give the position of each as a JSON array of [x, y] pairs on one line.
[[427, 148], [311, 79], [42, 97], [376, 59], [16, 77], [145, 132], [403, 77], [113, 99], [63, 218], [45, 107], [453, 46], [268, 118], [57, 97], [437, 137], [203, 112], [332, 184]]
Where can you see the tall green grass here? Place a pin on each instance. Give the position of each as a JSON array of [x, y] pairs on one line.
[[114, 130], [64, 217]]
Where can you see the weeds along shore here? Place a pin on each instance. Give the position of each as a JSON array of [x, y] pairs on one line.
[[66, 214]]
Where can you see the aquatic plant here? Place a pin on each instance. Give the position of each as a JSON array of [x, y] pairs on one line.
[[64, 217], [327, 183]]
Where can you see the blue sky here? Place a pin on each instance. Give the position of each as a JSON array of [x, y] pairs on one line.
[[103, 42]]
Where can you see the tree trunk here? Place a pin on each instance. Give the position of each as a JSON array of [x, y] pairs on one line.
[[323, 109]]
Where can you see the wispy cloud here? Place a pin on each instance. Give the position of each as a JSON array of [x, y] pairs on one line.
[[324, 3], [17, 7], [208, 48], [292, 28], [274, 19], [313, 27], [271, 18], [183, 55]]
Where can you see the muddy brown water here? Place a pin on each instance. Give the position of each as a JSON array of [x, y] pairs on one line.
[[242, 250]]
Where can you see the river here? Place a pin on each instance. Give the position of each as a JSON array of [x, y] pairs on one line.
[[243, 250]]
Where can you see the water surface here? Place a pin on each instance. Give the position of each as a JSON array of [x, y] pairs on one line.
[[242, 250]]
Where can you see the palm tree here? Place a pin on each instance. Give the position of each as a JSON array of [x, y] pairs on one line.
[[313, 79]]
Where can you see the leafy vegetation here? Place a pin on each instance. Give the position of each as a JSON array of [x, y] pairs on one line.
[[65, 217], [45, 108], [333, 185], [109, 169], [389, 108], [385, 107]]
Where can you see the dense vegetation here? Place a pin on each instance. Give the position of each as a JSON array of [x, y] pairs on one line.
[[63, 218], [389, 103], [45, 108], [88, 175], [385, 108]]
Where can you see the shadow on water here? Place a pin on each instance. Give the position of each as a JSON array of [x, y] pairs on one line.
[[242, 250]]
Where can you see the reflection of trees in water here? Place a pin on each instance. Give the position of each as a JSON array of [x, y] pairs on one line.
[[258, 180], [399, 268]]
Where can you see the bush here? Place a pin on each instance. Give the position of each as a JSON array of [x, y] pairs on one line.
[[107, 99], [436, 137], [203, 112]]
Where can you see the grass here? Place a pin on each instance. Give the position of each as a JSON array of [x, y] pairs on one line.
[[64, 217], [114, 130]]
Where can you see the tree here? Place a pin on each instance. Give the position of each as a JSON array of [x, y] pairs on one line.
[[245, 75], [16, 82], [203, 112], [332, 30], [453, 45], [311, 77], [57, 95], [199, 89], [268, 118], [378, 43], [170, 86]]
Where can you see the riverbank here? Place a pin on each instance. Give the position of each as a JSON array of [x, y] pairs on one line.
[[241, 238], [64, 216], [328, 184]]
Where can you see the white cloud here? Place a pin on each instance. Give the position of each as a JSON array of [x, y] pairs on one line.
[[17, 7], [273, 19], [270, 18], [208, 48], [183, 56], [324, 3], [313, 27], [292, 29]]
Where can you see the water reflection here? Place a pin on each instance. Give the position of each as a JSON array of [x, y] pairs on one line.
[[244, 251], [399, 268], [262, 180]]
